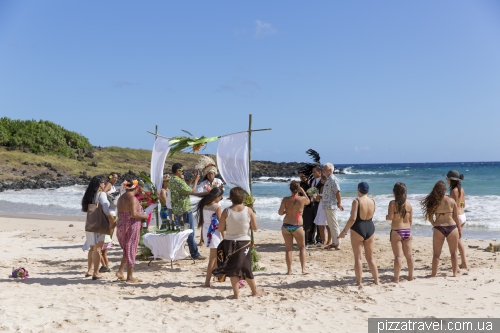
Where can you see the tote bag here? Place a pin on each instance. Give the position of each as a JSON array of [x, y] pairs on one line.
[[97, 221]]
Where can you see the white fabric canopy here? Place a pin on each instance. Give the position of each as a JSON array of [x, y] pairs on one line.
[[158, 157], [169, 246], [232, 160]]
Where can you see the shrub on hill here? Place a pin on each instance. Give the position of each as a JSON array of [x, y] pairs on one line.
[[40, 137]]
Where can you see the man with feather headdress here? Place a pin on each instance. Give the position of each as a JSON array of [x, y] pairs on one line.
[[313, 173], [208, 168]]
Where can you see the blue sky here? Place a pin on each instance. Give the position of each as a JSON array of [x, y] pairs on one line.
[[358, 81]]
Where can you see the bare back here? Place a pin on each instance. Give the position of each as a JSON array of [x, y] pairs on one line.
[[366, 207], [291, 206], [446, 213], [400, 221], [128, 203]]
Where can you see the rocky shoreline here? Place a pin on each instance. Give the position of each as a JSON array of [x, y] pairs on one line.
[[51, 178]]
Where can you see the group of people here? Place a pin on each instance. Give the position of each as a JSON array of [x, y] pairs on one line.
[[306, 214], [308, 219], [227, 233]]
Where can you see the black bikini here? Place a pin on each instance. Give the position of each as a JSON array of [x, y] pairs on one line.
[[445, 229], [365, 228]]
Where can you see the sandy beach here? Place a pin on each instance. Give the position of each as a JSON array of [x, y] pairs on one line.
[[58, 297]]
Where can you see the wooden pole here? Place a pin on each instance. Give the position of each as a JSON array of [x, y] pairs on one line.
[[157, 211], [250, 164], [250, 151]]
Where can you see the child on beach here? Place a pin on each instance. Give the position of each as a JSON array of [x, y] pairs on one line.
[[400, 213]]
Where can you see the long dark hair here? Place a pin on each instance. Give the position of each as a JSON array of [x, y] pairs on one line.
[[211, 196], [90, 192], [456, 184], [431, 201], [399, 191]]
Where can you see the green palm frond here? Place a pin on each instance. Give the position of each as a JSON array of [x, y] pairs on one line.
[[185, 143], [187, 132]]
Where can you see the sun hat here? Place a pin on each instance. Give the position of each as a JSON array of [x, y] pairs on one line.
[[454, 175], [363, 187]]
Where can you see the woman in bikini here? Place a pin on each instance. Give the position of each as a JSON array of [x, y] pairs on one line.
[[209, 213], [446, 224], [362, 232], [292, 207], [400, 213], [454, 179]]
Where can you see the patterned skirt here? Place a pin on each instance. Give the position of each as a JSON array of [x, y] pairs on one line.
[[233, 259], [128, 236]]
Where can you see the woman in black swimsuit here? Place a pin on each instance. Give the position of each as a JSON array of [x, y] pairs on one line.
[[446, 225], [362, 232]]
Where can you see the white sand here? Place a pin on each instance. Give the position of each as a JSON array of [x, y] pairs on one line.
[[57, 297]]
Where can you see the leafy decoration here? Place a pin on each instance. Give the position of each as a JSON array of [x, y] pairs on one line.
[[186, 143]]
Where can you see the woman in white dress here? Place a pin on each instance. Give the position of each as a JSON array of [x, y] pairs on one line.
[[321, 221], [209, 212], [94, 241]]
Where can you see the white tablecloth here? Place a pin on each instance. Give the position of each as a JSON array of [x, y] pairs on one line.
[[169, 246]]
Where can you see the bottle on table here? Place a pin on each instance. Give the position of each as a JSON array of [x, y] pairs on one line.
[[182, 223]]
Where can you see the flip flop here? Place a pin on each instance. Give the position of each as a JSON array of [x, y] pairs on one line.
[[135, 281], [121, 278], [87, 275], [97, 277]]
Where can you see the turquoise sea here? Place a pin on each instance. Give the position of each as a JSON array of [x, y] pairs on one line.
[[481, 184]]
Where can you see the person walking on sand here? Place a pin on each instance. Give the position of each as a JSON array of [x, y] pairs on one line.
[[94, 195], [209, 213], [400, 213], [233, 253], [130, 216], [446, 225], [292, 207], [362, 232], [331, 200], [457, 192], [181, 204]]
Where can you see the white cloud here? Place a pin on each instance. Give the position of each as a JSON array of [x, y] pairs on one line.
[[362, 148], [263, 29]]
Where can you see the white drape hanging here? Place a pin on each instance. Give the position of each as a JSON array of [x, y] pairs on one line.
[[232, 160], [158, 157]]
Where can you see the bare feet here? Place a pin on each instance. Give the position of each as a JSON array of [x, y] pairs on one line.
[[207, 285], [463, 266], [289, 273], [395, 281], [305, 272], [258, 292]]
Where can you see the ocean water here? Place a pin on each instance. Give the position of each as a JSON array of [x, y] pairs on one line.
[[481, 184]]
